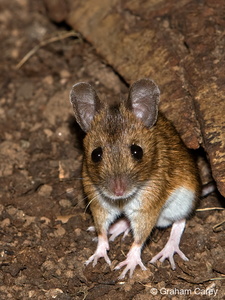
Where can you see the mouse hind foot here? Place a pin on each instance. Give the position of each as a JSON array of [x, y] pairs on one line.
[[121, 226], [172, 246]]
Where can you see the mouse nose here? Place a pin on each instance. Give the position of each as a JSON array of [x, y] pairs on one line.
[[118, 186]]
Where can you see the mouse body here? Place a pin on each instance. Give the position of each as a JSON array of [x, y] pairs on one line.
[[135, 165]]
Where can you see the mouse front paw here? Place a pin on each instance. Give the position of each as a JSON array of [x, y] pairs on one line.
[[101, 251], [133, 259], [94, 258]]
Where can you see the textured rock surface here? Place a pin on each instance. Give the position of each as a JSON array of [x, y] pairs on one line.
[[178, 44]]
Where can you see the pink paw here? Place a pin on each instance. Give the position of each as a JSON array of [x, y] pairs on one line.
[[101, 251], [167, 253], [133, 259], [119, 227], [172, 246]]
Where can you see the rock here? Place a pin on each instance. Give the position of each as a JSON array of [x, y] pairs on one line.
[[6, 222], [53, 293], [58, 107], [11, 156], [45, 190], [65, 203], [60, 231]]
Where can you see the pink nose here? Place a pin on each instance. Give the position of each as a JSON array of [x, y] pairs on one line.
[[118, 187]]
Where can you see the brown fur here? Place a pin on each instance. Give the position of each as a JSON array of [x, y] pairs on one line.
[[166, 164]]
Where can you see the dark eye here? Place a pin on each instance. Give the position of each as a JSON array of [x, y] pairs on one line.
[[96, 155], [136, 151]]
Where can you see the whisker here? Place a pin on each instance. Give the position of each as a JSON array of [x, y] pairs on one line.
[[85, 210]]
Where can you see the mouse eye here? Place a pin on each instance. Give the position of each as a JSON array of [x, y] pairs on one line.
[[96, 155], [136, 151]]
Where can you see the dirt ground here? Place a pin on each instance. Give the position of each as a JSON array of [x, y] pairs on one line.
[[43, 223]]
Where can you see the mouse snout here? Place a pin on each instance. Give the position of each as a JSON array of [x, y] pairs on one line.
[[118, 186]]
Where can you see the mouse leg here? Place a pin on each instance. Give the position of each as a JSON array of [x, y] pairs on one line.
[[172, 246], [141, 225], [102, 219]]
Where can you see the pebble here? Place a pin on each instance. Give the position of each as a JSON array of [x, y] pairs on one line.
[[78, 231], [11, 211], [49, 265], [69, 274], [60, 231], [65, 203], [5, 222], [48, 79], [63, 133], [45, 220], [48, 132], [45, 190], [63, 81], [35, 127], [3, 101], [29, 220], [53, 293], [31, 294], [64, 219], [70, 192], [65, 74], [25, 144], [15, 53], [6, 170]]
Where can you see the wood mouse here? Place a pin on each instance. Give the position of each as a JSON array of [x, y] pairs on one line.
[[135, 165]]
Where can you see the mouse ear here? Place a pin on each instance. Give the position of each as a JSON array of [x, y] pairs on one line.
[[85, 104], [143, 100]]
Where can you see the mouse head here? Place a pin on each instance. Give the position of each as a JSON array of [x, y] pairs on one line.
[[118, 151]]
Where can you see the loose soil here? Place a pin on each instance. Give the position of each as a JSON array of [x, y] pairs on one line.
[[44, 216]]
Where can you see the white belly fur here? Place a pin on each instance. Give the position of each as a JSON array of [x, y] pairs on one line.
[[178, 206]]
